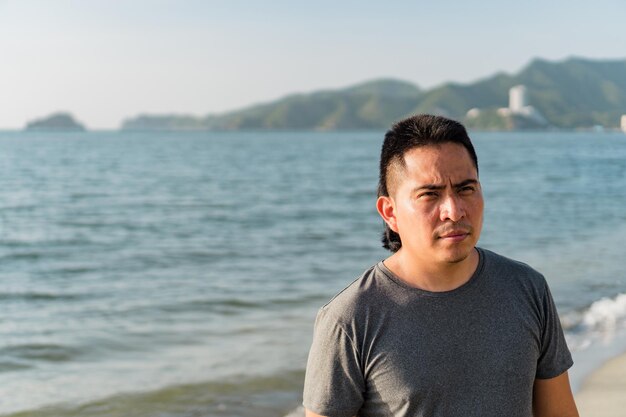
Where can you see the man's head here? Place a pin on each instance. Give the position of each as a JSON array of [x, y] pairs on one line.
[[429, 174]]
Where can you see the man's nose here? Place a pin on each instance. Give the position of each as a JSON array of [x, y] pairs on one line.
[[452, 208]]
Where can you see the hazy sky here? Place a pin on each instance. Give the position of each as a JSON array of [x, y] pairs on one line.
[[104, 60]]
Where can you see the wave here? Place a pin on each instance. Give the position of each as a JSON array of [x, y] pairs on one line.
[[23, 256], [598, 322], [40, 352], [13, 365], [259, 396], [606, 313], [38, 296], [233, 305]]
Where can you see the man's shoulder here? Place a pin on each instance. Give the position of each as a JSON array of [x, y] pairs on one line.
[[356, 296], [513, 271]]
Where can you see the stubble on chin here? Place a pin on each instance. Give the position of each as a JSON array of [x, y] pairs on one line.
[[458, 258], [458, 255]]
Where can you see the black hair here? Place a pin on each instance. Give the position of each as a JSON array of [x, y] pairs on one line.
[[412, 132]]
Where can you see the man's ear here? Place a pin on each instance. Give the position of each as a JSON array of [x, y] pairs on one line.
[[387, 209]]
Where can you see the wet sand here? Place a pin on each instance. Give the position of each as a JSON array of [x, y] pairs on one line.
[[604, 392]]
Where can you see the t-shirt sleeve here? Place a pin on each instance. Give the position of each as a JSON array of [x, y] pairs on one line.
[[333, 384], [555, 358]]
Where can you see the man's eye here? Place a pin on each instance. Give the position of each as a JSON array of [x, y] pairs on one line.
[[428, 194], [466, 190]]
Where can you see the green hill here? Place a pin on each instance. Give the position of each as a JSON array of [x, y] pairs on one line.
[[577, 92], [371, 105], [56, 122], [570, 94]]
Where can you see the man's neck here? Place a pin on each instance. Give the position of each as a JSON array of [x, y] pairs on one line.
[[432, 277]]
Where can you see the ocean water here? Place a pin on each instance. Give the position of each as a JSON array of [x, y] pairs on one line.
[[178, 274]]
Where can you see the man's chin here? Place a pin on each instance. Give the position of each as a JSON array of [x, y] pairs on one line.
[[458, 256], [456, 260]]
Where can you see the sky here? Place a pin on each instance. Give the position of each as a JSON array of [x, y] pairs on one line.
[[107, 60]]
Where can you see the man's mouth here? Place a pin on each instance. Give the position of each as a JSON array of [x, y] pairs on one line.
[[455, 234]]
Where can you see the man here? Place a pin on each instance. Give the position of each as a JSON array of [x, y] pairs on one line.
[[441, 327]]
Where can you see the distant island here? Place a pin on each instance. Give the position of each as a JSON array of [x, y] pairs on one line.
[[56, 122], [571, 94]]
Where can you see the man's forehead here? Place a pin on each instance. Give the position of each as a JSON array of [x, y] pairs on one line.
[[445, 156]]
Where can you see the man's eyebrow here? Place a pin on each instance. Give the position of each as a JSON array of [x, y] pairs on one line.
[[466, 182], [437, 187]]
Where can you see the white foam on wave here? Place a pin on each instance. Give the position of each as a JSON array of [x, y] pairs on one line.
[[598, 323], [606, 312]]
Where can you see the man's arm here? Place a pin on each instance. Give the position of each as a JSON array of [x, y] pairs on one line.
[[553, 397], [308, 413]]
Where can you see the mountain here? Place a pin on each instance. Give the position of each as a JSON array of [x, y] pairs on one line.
[[570, 94], [577, 92], [55, 122], [573, 93], [370, 105]]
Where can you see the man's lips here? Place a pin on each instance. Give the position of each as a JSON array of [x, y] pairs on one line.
[[454, 233]]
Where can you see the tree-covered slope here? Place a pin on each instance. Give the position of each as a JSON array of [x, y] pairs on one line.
[[572, 93]]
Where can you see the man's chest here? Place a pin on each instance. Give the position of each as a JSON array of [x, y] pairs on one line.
[[465, 357]]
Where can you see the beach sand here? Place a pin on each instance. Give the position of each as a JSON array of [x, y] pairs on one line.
[[604, 392]]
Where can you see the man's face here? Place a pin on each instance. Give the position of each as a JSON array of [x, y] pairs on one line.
[[437, 204]]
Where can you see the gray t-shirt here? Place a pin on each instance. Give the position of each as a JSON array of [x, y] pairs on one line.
[[384, 348]]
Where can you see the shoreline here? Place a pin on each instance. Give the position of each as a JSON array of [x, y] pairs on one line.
[[602, 392]]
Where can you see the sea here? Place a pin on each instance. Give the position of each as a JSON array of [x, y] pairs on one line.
[[178, 274]]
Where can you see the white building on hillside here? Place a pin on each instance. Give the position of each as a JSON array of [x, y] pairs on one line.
[[517, 98], [518, 106]]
